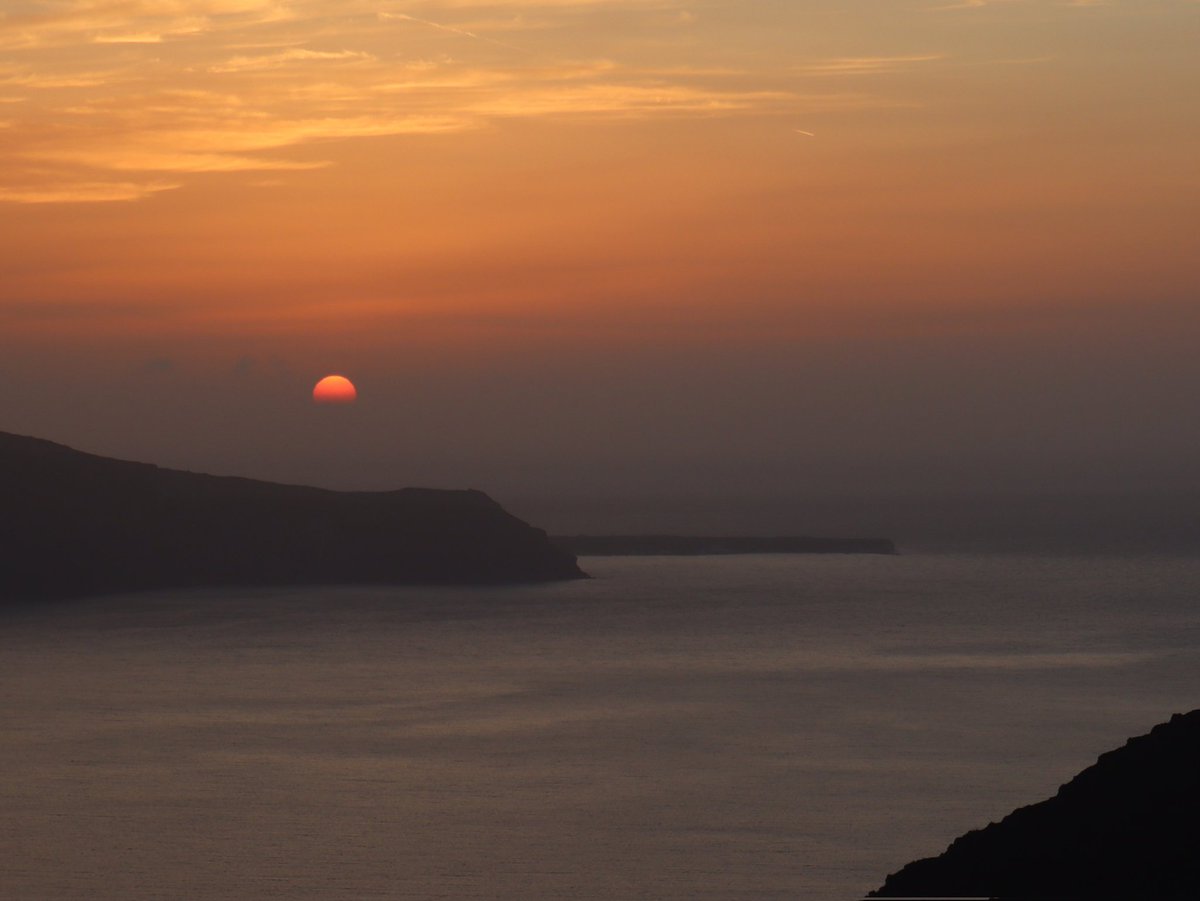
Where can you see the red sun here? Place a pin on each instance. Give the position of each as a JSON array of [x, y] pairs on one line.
[[334, 389]]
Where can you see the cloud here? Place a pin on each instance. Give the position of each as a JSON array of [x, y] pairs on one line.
[[84, 130], [77, 22], [82, 192], [981, 4], [50, 82], [288, 57], [198, 131], [202, 133], [629, 100], [450, 29], [554, 4], [69, 22], [866, 65]]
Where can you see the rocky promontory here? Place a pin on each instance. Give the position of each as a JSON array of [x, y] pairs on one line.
[[1127, 827], [75, 524]]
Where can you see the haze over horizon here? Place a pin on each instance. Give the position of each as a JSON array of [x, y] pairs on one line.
[[615, 249]]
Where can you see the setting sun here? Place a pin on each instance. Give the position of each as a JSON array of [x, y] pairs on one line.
[[335, 389]]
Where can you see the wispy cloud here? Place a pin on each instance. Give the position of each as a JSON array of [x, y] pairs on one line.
[[87, 131], [867, 65], [65, 22], [208, 132], [288, 57], [83, 192], [981, 4], [130, 21], [41, 81], [625, 100], [449, 29]]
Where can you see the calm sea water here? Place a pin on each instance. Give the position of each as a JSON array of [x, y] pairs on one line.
[[721, 728]]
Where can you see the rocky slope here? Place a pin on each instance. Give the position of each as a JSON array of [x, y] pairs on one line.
[[1127, 827]]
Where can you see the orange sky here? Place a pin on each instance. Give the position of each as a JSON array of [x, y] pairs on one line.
[[438, 193]]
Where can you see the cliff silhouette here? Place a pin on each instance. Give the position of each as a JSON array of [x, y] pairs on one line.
[[77, 524], [1127, 827]]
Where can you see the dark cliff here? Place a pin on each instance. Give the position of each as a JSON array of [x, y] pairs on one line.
[[74, 524], [1127, 827]]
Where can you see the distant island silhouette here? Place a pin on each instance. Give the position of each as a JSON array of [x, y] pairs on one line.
[[1127, 827], [76, 524], [696, 545]]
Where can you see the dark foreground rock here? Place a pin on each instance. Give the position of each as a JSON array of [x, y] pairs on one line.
[[76, 524], [1127, 827], [697, 545]]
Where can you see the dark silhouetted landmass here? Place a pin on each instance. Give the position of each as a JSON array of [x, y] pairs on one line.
[[693, 545], [1127, 827], [76, 524]]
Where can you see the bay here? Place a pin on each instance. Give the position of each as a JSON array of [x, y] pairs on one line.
[[717, 727]]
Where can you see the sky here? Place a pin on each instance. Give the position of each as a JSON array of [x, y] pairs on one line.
[[609, 248]]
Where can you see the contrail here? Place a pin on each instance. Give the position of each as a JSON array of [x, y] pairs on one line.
[[452, 30], [801, 131]]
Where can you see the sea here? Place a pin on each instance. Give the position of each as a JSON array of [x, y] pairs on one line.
[[751, 727]]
